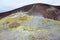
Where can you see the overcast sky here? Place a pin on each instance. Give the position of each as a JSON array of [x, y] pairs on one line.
[[6, 5]]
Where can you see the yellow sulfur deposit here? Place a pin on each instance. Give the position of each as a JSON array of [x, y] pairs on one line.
[[29, 29], [57, 23], [24, 18], [25, 27], [46, 21], [14, 25], [13, 22], [7, 20]]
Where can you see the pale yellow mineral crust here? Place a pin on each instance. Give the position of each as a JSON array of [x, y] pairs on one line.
[[19, 28]]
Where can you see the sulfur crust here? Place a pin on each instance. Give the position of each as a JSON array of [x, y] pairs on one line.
[[57, 23], [14, 23], [25, 18], [29, 29], [18, 19], [47, 21]]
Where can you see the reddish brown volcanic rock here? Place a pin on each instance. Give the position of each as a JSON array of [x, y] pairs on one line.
[[47, 11]]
